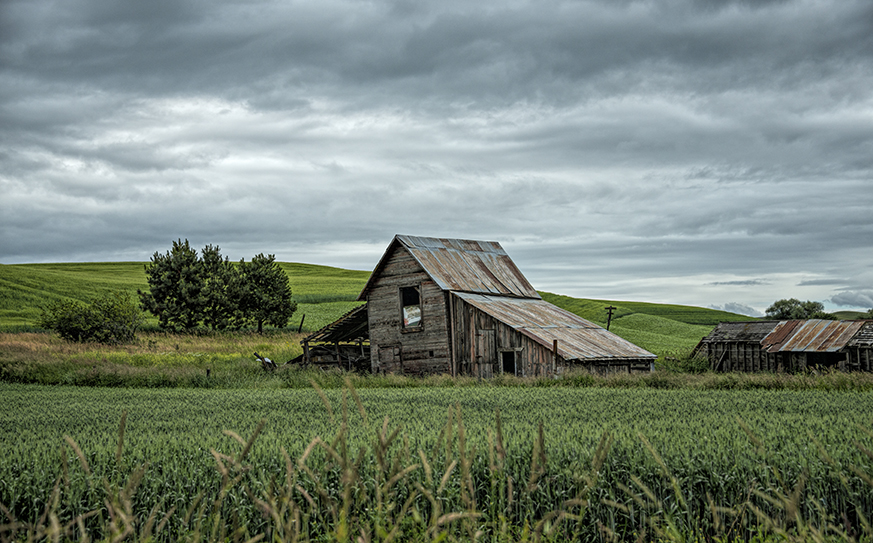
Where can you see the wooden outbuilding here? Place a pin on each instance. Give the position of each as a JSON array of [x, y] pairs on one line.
[[462, 307], [789, 346]]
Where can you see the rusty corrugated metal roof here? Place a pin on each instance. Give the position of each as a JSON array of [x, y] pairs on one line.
[[462, 265], [779, 335], [813, 335], [578, 339]]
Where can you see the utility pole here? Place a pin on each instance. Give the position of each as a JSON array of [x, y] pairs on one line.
[[609, 311]]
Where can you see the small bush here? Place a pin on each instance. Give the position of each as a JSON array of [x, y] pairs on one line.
[[112, 319], [684, 362]]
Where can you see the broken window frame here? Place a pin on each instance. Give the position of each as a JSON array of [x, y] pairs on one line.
[[419, 324]]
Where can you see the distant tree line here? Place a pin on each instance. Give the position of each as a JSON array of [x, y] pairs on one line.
[[794, 309], [187, 290]]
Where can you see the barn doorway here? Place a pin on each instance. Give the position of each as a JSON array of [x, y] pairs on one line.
[[507, 361]]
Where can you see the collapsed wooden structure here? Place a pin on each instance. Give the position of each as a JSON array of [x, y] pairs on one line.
[[789, 346], [343, 343], [462, 307]]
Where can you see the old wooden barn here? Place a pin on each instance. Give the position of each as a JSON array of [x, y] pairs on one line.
[[462, 307], [789, 346]]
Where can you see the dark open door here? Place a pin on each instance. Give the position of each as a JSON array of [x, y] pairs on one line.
[[507, 362]]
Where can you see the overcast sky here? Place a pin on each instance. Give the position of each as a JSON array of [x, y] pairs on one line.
[[710, 153]]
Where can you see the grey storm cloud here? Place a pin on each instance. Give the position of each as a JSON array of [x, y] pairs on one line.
[[680, 151], [854, 299], [742, 309]]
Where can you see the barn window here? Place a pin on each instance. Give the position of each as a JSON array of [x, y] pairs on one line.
[[410, 300]]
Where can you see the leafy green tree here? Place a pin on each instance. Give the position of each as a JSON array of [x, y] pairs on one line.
[[222, 290], [113, 318], [267, 292], [794, 309], [176, 280], [868, 314]]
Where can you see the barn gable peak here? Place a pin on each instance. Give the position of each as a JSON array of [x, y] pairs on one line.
[[460, 265]]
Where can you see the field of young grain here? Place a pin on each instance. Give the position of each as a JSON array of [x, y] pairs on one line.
[[436, 463]]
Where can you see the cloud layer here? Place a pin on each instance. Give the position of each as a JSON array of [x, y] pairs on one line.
[[707, 153]]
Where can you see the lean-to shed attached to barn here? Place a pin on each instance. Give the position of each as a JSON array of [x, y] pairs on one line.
[[789, 346], [462, 307]]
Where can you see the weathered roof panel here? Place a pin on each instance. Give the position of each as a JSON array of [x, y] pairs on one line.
[[350, 327], [578, 339], [740, 331], [463, 265], [864, 337]]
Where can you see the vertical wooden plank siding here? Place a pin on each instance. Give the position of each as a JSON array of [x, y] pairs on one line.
[[470, 324], [744, 356]]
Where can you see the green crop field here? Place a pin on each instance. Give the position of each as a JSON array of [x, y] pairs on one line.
[[675, 464]]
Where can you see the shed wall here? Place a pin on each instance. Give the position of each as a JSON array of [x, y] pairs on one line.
[[479, 340], [752, 357]]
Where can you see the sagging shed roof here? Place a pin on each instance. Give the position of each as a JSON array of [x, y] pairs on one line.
[[578, 339], [461, 265], [350, 327], [740, 331], [864, 337]]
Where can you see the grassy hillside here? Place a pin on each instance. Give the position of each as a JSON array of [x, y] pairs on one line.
[[849, 315], [325, 293], [664, 329]]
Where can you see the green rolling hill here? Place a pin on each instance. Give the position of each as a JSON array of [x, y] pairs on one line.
[[324, 293]]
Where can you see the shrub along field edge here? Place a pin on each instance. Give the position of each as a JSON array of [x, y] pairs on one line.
[[226, 361]]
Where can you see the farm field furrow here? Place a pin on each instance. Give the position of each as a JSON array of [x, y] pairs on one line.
[[728, 448]]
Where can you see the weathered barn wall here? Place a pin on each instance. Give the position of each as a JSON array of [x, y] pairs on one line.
[[423, 350]]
